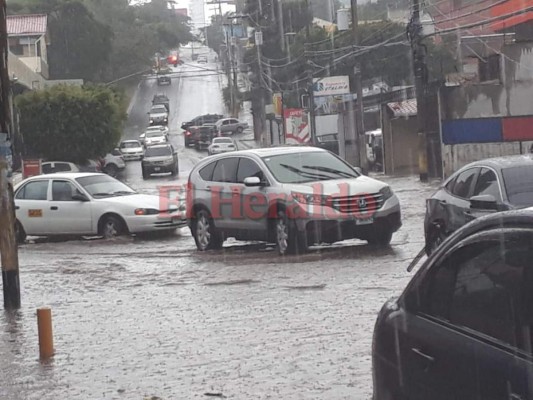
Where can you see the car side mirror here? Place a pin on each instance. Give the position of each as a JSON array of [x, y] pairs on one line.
[[80, 197], [252, 181], [484, 202]]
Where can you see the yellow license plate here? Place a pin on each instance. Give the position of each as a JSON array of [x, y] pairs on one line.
[[35, 213]]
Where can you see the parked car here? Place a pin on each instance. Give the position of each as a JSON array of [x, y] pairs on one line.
[[159, 159], [201, 136], [486, 186], [221, 145], [131, 149], [201, 120], [329, 142], [228, 126], [158, 115], [292, 196], [113, 163], [161, 99], [88, 204], [52, 167], [461, 328]]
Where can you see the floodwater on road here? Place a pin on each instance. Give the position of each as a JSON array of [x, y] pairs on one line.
[[154, 317]]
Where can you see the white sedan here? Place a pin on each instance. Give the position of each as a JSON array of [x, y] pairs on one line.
[[131, 149], [89, 204], [151, 129], [221, 145]]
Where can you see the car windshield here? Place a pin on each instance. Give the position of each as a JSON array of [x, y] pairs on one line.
[[308, 167], [158, 109], [129, 145], [157, 151], [518, 183], [100, 186], [222, 140]]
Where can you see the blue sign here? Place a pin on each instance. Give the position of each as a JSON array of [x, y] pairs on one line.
[[5, 152]]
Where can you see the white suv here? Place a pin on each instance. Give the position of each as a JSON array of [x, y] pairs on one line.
[[293, 196]]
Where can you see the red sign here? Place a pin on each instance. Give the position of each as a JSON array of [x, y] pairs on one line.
[[296, 126], [31, 168]]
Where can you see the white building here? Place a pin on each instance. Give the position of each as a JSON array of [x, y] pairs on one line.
[[197, 14]]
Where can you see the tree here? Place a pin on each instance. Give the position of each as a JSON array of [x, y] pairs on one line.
[[71, 123], [79, 45]]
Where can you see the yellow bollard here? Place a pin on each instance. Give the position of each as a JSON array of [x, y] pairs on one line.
[[46, 338]]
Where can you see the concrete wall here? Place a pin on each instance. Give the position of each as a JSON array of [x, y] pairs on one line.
[[512, 96], [400, 142]]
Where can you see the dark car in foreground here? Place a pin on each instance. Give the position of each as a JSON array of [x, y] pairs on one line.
[[462, 328], [486, 186], [159, 159]]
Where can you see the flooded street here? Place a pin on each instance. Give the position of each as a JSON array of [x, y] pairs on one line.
[[138, 317]]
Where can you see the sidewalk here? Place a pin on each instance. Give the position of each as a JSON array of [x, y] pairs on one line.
[[246, 140]]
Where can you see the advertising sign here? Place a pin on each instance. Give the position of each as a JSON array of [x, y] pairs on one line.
[[31, 168], [331, 86], [296, 126]]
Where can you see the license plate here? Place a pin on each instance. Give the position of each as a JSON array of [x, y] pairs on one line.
[[364, 221], [157, 168]]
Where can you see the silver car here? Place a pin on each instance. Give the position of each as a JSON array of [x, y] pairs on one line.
[[230, 126], [292, 196], [158, 115]]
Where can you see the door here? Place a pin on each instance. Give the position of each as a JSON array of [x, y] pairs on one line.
[[225, 194], [69, 216], [456, 201], [253, 200], [32, 207], [461, 341]]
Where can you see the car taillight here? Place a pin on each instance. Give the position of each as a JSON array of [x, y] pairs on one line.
[[187, 133]]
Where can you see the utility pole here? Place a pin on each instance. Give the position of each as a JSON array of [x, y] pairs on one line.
[[312, 124], [280, 26], [359, 152], [421, 80], [261, 117], [8, 242]]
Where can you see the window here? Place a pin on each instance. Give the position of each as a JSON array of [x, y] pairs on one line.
[[487, 184], [47, 168], [248, 168], [463, 183], [519, 185], [207, 172], [489, 69], [485, 286], [62, 167], [62, 191], [226, 170], [37, 190], [449, 185]]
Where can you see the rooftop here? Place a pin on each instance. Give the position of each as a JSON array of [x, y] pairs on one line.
[[26, 25]]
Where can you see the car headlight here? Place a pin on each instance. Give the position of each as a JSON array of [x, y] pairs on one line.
[[306, 198], [151, 121], [146, 211], [386, 192]]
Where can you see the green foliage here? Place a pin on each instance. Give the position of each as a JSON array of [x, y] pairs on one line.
[[71, 123], [215, 33], [79, 45], [101, 40]]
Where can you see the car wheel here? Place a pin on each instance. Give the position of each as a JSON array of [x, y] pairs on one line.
[[111, 170], [20, 233], [110, 227], [240, 129], [380, 238], [206, 236], [288, 239]]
